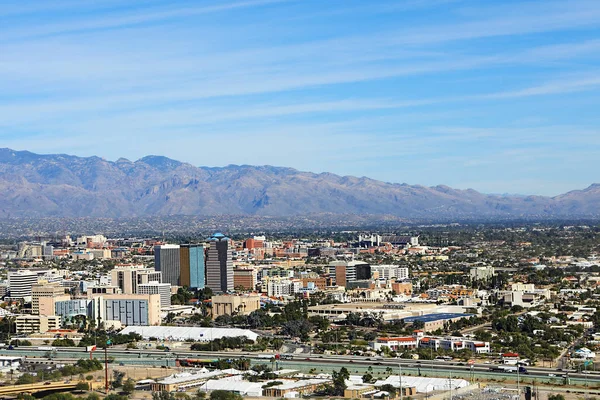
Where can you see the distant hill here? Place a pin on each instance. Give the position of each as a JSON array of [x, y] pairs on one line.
[[37, 185]]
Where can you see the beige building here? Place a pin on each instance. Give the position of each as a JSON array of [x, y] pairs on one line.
[[36, 323], [45, 295], [128, 309], [128, 276], [233, 304]]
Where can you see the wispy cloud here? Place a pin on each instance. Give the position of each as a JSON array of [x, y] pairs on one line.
[[382, 87]]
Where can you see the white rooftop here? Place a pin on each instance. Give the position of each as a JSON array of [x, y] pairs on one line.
[[183, 377], [423, 384], [181, 333]]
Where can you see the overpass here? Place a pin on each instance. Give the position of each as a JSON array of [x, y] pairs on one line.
[[36, 387]]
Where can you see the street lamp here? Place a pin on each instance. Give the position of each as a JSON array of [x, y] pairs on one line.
[[108, 342]]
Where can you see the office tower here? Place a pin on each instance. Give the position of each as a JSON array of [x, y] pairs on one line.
[[20, 283], [44, 295], [244, 278], [193, 270], [345, 272], [167, 261], [219, 264], [127, 277], [162, 289]]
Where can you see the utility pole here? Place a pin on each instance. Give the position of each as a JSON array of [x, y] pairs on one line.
[[400, 377], [106, 366]]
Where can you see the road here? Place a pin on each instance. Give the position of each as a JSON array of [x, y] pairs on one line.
[[325, 363]]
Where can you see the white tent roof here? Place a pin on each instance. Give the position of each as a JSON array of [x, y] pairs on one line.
[[423, 384], [185, 332]]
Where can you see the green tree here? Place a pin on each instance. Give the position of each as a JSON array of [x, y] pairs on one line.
[[163, 395], [63, 343], [27, 379], [224, 395], [556, 397], [82, 387], [199, 395], [339, 382], [128, 386], [118, 397]]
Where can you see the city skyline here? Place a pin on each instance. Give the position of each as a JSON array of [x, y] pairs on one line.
[[496, 97]]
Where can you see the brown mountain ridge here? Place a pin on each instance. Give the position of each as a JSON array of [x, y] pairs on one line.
[[35, 185]]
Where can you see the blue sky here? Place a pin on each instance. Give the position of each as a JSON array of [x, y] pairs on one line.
[[499, 96]]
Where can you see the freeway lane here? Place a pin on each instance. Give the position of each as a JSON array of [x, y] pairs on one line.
[[324, 363]]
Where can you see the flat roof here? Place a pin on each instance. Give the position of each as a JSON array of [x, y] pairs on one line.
[[436, 317]]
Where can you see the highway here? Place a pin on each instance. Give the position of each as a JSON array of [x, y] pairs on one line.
[[323, 363], [37, 387]]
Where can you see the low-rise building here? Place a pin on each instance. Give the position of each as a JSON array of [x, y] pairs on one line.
[[228, 304], [418, 340], [301, 387], [27, 324], [185, 380]]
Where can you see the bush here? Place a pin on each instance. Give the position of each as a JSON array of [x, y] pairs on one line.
[[82, 387], [63, 343], [224, 395]]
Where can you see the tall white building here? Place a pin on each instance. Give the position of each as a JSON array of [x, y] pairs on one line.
[[162, 289], [283, 287], [390, 271], [20, 284]]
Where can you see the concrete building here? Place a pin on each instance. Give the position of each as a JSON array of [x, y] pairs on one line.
[[219, 264], [344, 272], [128, 309], [71, 308], [418, 340], [278, 287], [185, 380], [405, 288], [161, 289], [128, 276], [27, 324], [167, 260], [44, 295], [20, 284], [525, 295], [481, 273], [390, 272], [234, 304], [101, 254], [244, 278], [299, 388], [192, 266]]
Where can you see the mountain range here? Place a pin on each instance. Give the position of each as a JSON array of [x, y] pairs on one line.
[[35, 185]]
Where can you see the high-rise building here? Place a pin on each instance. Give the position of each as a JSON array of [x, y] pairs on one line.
[[167, 260], [193, 271], [219, 264], [162, 289], [20, 283], [128, 276], [44, 295], [244, 278], [390, 271], [345, 272]]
